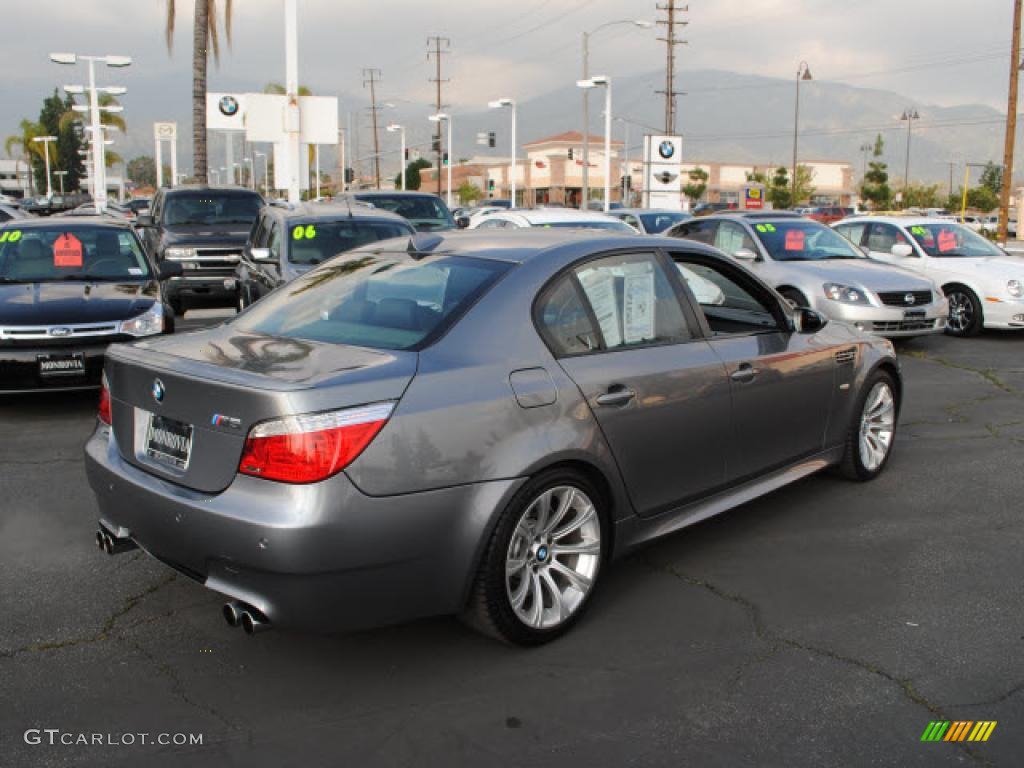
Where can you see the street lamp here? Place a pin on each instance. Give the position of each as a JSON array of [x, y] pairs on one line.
[[594, 82], [252, 173], [803, 72], [642, 24], [266, 170], [442, 117], [910, 115], [98, 168], [61, 175], [501, 104], [391, 128], [45, 141]]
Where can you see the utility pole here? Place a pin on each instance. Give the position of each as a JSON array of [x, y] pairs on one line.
[[670, 22], [951, 163], [371, 77], [441, 46], [1011, 126]]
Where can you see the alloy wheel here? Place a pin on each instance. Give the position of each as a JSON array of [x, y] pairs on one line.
[[553, 557], [877, 425], [961, 311]]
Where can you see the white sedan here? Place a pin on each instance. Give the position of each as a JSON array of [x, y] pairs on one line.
[[984, 284]]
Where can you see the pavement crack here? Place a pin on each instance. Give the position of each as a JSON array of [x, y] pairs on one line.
[[989, 374]]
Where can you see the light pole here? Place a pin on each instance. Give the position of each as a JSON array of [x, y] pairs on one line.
[[266, 170], [501, 104], [910, 115], [443, 117], [252, 173], [803, 72], [60, 175], [594, 82], [99, 169], [391, 128], [864, 149], [585, 191], [45, 141]]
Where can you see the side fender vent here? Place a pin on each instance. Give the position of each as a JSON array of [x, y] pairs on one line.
[[846, 356]]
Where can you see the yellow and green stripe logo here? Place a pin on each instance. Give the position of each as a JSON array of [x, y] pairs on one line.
[[958, 730]]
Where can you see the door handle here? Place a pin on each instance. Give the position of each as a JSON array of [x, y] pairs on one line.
[[744, 373], [616, 397]]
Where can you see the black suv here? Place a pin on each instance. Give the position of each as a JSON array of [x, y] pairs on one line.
[[287, 241], [204, 229]]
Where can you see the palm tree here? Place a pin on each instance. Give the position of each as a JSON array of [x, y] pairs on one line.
[[29, 148], [205, 37], [113, 119]]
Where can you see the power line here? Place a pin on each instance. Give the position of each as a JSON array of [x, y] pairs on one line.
[[441, 47]]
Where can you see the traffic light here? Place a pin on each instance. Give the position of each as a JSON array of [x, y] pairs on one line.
[[436, 144], [570, 153], [490, 185], [407, 154], [444, 159], [350, 175], [490, 139], [626, 182]]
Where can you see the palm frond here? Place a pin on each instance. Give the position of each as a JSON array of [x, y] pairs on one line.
[[169, 25], [111, 158], [214, 30]]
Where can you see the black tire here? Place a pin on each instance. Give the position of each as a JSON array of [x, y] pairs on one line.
[[794, 297], [489, 609], [178, 306], [852, 465], [966, 314]]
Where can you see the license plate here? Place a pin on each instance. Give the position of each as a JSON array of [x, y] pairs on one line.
[[168, 441], [914, 314], [68, 364]]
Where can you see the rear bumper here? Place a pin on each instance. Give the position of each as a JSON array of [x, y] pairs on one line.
[[19, 369], [322, 556]]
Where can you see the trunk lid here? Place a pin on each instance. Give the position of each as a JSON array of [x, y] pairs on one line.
[[214, 385]]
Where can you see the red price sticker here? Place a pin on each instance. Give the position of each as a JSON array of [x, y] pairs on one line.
[[794, 240], [947, 240], [67, 251]]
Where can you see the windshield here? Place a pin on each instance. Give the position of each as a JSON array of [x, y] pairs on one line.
[[804, 241], [211, 207], [377, 300], [423, 211], [319, 241], [659, 222], [615, 225], [70, 252], [948, 240]]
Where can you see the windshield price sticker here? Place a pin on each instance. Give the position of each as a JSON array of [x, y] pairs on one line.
[[762, 228], [10, 236], [947, 240], [67, 251], [307, 232], [638, 303], [794, 240], [919, 231]]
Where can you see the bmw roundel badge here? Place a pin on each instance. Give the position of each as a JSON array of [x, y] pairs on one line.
[[666, 149], [158, 390], [228, 105]]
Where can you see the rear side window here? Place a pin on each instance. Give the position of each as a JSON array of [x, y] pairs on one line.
[[377, 300], [564, 321]]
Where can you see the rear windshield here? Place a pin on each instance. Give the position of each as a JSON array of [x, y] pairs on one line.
[[804, 240], [423, 211], [210, 207], [70, 252], [614, 225], [377, 300], [951, 240], [320, 240]]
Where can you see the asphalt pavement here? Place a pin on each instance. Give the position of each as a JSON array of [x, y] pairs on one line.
[[826, 624]]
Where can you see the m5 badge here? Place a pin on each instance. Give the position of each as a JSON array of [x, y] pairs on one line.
[[220, 420]]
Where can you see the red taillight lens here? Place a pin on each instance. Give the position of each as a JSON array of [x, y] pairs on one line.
[[103, 411], [311, 447]]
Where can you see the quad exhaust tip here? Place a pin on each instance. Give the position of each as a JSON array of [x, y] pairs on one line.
[[248, 618], [113, 545]]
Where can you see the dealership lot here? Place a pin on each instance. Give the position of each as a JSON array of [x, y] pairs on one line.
[[825, 624]]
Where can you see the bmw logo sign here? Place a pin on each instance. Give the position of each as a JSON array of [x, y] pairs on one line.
[[228, 106], [666, 149], [158, 390]]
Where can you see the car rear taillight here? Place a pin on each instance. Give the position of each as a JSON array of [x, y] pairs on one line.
[[103, 411], [311, 447]]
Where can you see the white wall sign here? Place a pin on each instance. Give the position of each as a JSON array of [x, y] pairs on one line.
[[226, 111], [266, 113]]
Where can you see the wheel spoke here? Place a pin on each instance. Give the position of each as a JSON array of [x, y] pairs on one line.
[[537, 598], [542, 510], [555, 592], [583, 548], [578, 580], [563, 505], [583, 517], [521, 592], [514, 564]]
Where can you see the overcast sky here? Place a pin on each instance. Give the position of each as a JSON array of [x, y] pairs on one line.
[[940, 53]]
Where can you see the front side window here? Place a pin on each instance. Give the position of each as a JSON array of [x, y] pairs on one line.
[[318, 241], [852, 232], [732, 237], [380, 300], [423, 212], [69, 252], [699, 231], [210, 207], [633, 301], [951, 241], [275, 241], [734, 304], [803, 240], [882, 237]]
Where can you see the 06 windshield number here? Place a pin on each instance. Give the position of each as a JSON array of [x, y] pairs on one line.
[[307, 232]]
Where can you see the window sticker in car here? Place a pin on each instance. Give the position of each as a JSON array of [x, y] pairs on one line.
[[762, 228], [308, 232], [947, 240], [638, 303], [794, 240], [67, 251], [10, 236], [599, 285], [919, 230]]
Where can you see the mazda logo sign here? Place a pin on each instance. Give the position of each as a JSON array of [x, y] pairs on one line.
[[909, 298], [666, 149], [158, 390]]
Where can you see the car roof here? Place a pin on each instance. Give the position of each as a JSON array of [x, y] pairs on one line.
[[332, 211], [49, 222], [229, 188], [368, 193], [902, 221], [535, 216], [617, 211], [755, 216]]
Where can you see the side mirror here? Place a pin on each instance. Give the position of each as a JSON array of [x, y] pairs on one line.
[[261, 254], [462, 222], [745, 254], [169, 269], [808, 321], [901, 250], [145, 220]]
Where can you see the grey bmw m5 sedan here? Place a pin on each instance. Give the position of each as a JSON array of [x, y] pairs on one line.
[[473, 423]]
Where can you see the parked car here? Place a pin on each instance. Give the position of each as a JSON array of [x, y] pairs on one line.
[[558, 218], [359, 450], [289, 241], [204, 229], [810, 266], [8, 212], [650, 221], [425, 211], [829, 214], [706, 209], [598, 205], [68, 288], [984, 285], [138, 205]]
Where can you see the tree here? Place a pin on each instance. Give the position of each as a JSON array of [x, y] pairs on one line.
[[992, 178], [205, 37], [30, 151], [468, 193], [757, 177], [64, 152], [142, 171], [922, 196], [780, 194], [875, 187], [982, 198], [412, 174], [804, 189], [698, 184]]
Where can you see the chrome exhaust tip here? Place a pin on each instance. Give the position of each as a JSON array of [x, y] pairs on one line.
[[108, 544], [101, 539], [113, 545], [232, 612], [253, 624]]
